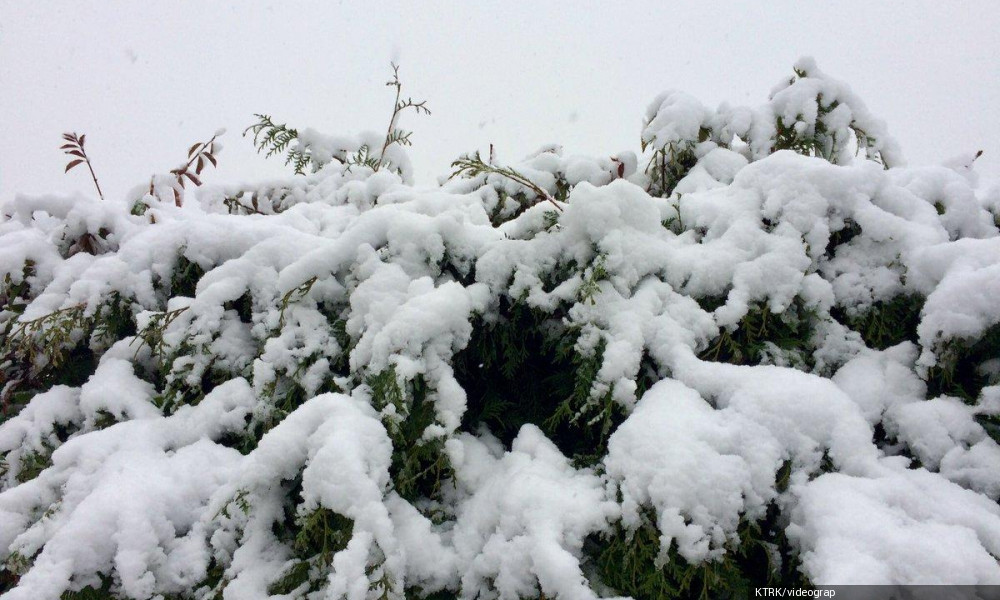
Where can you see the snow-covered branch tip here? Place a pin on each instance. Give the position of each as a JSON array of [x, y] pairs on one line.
[[473, 166]]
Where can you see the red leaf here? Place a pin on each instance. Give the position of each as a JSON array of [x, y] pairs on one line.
[[82, 137], [194, 179], [621, 169], [65, 146], [201, 165], [192, 149], [69, 138], [177, 198], [211, 159], [76, 153], [73, 164]]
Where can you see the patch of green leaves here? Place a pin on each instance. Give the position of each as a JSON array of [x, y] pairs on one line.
[[669, 164], [761, 333], [419, 466], [274, 138]]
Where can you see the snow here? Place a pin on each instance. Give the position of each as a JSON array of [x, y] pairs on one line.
[[700, 468], [905, 526], [347, 274], [523, 518]]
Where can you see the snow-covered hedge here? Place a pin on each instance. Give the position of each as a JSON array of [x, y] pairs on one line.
[[763, 351]]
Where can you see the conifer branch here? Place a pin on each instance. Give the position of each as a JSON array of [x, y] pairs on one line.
[[393, 135], [474, 165], [274, 138]]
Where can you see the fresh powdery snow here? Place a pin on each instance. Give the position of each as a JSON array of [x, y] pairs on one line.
[[765, 332]]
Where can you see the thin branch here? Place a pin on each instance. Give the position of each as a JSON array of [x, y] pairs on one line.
[[397, 108], [395, 112], [475, 166], [74, 147]]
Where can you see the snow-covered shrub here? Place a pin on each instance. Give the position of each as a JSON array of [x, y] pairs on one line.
[[771, 355]]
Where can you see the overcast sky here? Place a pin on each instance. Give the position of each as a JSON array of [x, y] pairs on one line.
[[145, 80]]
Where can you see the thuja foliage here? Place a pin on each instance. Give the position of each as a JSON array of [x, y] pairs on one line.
[[272, 138]]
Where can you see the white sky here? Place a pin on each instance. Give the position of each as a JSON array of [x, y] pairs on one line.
[[144, 80]]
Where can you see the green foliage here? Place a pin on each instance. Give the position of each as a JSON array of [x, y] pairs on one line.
[[419, 466], [52, 349], [46, 340], [842, 236], [14, 296], [272, 138], [632, 561], [821, 141], [152, 334], [34, 463], [522, 365], [763, 335], [242, 306], [314, 537], [363, 158], [669, 164], [582, 416], [184, 278], [12, 569], [322, 533], [139, 208], [294, 295], [394, 135], [887, 323], [551, 220], [593, 276], [958, 370], [523, 368], [93, 593]]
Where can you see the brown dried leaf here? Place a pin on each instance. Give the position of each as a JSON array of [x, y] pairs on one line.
[[73, 164], [192, 149]]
